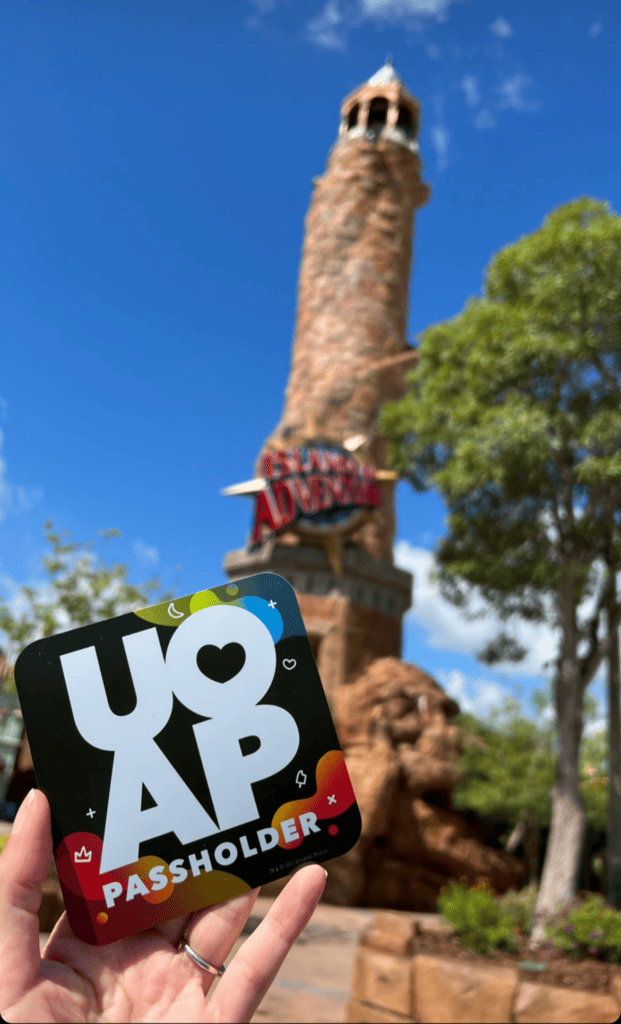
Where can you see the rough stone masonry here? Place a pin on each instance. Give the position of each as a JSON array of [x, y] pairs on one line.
[[350, 353]]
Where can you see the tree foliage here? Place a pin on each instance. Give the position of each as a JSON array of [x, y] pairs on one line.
[[79, 588], [513, 414], [594, 779], [508, 776]]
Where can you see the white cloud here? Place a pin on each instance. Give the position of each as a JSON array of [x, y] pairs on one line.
[[484, 120], [25, 498], [328, 29], [470, 87], [511, 91], [449, 630], [4, 408], [10, 591], [261, 8], [394, 9], [440, 141], [595, 29], [5, 491], [433, 51], [323, 30], [501, 28], [15, 498], [480, 696], [145, 554], [475, 696]]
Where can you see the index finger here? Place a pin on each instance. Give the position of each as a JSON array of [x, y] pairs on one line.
[[24, 864], [256, 964]]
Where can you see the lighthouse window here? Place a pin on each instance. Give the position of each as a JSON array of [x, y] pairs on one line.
[[352, 119], [378, 112], [405, 120]]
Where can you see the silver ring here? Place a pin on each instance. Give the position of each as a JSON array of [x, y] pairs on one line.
[[217, 971]]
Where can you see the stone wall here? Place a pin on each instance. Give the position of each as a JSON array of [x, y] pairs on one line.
[[393, 983]]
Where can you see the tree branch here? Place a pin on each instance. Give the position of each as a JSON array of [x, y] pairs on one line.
[[598, 649], [607, 375]]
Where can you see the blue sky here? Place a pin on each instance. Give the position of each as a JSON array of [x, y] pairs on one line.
[[156, 169]]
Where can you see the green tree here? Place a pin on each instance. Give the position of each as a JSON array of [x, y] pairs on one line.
[[513, 415], [613, 852], [594, 779], [508, 773], [79, 588]]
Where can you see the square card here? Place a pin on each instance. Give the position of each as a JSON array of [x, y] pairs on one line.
[[188, 753]]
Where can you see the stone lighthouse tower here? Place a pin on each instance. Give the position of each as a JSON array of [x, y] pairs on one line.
[[350, 355]]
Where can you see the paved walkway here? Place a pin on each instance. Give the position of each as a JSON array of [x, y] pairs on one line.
[[313, 984]]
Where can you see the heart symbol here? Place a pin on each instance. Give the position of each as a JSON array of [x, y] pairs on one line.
[[221, 663], [289, 663]]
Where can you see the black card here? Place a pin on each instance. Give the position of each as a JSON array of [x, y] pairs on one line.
[[188, 754]]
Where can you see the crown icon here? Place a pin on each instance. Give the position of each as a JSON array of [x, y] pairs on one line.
[[83, 856]]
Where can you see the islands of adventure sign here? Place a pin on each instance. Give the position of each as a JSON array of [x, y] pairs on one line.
[[316, 489]]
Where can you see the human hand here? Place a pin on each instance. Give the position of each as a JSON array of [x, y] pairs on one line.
[[143, 977]]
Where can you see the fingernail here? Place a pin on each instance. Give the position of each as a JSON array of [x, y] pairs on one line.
[[22, 813]]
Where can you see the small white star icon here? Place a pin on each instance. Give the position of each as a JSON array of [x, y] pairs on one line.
[[271, 604], [90, 812], [332, 799]]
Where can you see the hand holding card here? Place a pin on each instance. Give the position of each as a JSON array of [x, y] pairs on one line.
[[188, 754], [141, 977]]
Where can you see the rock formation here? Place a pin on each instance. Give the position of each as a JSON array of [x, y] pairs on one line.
[[394, 726]]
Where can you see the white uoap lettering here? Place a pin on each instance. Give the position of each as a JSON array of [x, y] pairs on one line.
[[234, 715]]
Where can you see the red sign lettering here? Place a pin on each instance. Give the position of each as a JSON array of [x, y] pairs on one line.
[[327, 479]]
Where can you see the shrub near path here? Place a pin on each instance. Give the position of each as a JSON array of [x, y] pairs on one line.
[[582, 951]]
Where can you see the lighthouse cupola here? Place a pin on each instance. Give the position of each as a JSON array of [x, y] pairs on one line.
[[381, 107]]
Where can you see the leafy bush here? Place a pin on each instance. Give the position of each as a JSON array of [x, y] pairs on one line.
[[520, 906], [484, 922], [479, 921], [592, 929]]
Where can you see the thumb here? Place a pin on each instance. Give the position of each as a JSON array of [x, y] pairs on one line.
[[24, 864]]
